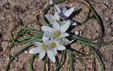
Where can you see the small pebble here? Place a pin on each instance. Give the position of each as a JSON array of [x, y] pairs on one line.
[[107, 3], [66, 1], [13, 3], [25, 52], [15, 57], [51, 2], [74, 57], [7, 58], [25, 2], [76, 33], [2, 17], [71, 5], [12, 54], [80, 32], [106, 18], [19, 62]]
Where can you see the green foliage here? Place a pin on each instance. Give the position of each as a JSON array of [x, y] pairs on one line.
[[37, 35]]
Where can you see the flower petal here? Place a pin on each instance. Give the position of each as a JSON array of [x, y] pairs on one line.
[[60, 47], [49, 35], [69, 12], [57, 16], [57, 9], [63, 9], [73, 23], [50, 18], [45, 39], [51, 55], [46, 28], [55, 51], [41, 55], [65, 26], [63, 35], [65, 41], [35, 50], [38, 44], [56, 26]]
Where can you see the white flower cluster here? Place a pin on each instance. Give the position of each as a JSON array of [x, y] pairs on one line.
[[54, 37]]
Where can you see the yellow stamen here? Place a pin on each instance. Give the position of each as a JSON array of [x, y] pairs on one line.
[[44, 47], [57, 33], [53, 45]]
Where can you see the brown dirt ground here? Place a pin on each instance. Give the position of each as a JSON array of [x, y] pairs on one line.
[[21, 13]]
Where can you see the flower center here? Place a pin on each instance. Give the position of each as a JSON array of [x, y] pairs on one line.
[[57, 33], [53, 45], [44, 47]]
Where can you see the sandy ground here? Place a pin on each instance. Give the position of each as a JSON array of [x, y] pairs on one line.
[[21, 13]]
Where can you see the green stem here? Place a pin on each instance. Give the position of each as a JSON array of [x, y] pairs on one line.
[[98, 57], [88, 14], [69, 60], [81, 63], [81, 48], [78, 54], [95, 44], [45, 63], [60, 61], [16, 55], [23, 28], [72, 62], [31, 62], [96, 16]]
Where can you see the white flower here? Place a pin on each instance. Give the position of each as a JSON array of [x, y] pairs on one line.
[[54, 46], [41, 48], [61, 14], [58, 31]]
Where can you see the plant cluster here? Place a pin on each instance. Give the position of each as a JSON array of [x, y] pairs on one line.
[[56, 36]]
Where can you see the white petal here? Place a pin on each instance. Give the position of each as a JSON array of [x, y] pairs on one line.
[[56, 15], [63, 35], [65, 26], [38, 44], [35, 50], [51, 55], [55, 51], [60, 47], [46, 28], [56, 41], [50, 18], [56, 26], [73, 23], [63, 9], [57, 9], [45, 39], [49, 35], [66, 41], [41, 55], [69, 12], [76, 33]]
